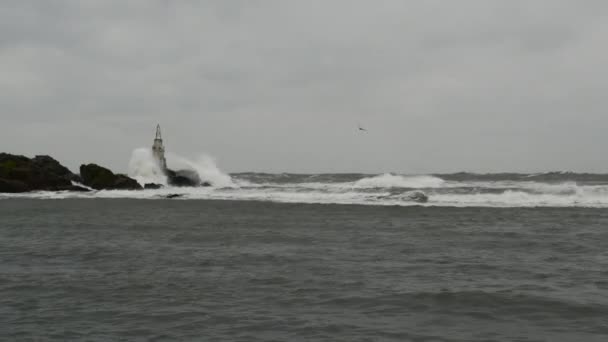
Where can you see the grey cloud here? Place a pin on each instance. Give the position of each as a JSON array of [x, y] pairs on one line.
[[280, 85]]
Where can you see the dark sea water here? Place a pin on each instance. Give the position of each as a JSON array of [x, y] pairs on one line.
[[207, 270]]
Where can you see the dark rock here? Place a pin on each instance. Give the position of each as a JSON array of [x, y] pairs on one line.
[[41, 173], [152, 186], [49, 165], [418, 196], [183, 178], [181, 181], [100, 178], [12, 186], [124, 182], [190, 174]]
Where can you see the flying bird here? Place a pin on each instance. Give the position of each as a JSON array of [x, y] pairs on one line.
[[361, 128]]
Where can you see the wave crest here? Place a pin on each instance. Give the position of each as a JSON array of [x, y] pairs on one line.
[[385, 189], [144, 168], [389, 180], [206, 168]]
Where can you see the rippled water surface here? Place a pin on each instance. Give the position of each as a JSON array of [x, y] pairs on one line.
[[201, 270]]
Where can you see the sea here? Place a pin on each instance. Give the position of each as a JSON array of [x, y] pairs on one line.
[[311, 257]]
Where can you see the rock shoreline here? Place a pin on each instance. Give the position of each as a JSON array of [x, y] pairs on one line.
[[20, 174]]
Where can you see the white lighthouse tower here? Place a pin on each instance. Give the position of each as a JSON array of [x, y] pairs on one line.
[[158, 150]]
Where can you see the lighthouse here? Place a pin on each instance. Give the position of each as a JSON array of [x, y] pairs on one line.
[[158, 150]]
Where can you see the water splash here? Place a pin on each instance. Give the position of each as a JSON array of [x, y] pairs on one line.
[[144, 168], [206, 168], [391, 190]]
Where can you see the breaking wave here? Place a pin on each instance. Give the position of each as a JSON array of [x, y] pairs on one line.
[[205, 166], [388, 180], [144, 168], [384, 189]]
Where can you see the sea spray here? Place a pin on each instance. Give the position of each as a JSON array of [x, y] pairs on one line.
[[144, 168], [206, 168], [390, 190]]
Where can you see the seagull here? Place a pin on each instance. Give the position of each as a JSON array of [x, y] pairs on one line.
[[361, 128]]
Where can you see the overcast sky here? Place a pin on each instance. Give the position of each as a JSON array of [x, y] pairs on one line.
[[281, 85]]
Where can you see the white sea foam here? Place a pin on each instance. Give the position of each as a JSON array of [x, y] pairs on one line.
[[388, 180], [376, 182], [377, 190], [205, 166], [144, 168], [82, 186], [511, 198]]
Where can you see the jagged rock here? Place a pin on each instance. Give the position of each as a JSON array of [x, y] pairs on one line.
[[124, 182], [12, 186], [152, 186], [51, 166], [100, 178], [41, 173], [181, 181], [418, 196], [183, 178]]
